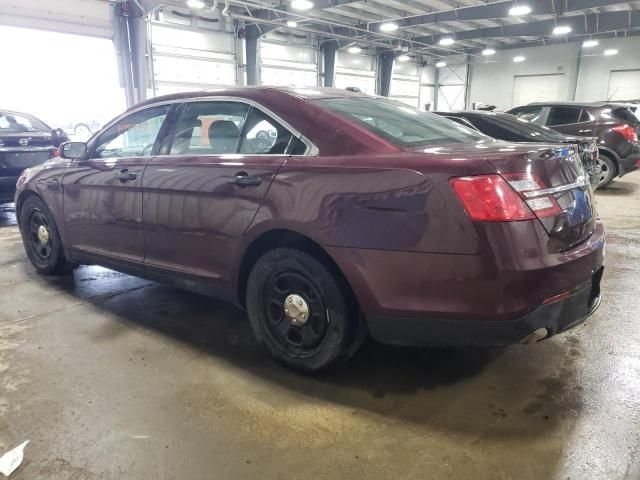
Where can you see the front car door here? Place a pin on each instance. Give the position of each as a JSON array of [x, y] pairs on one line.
[[571, 120], [103, 194], [203, 190]]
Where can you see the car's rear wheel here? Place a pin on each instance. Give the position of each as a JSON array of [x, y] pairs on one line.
[[41, 238], [299, 310], [608, 170]]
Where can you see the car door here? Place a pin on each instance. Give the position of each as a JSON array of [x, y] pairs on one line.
[[102, 191], [571, 120], [203, 191]]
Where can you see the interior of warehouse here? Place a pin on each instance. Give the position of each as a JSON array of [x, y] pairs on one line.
[[326, 239]]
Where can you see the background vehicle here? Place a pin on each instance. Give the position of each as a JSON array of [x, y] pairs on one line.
[[362, 215], [504, 126], [25, 142], [614, 125]]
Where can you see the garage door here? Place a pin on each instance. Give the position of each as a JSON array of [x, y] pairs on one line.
[[405, 83], [187, 57], [624, 85], [356, 71], [536, 88], [299, 70], [453, 87]]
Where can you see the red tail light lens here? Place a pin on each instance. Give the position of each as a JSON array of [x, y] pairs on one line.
[[627, 131], [489, 198]]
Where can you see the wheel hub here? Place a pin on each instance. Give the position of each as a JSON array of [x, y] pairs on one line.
[[296, 309], [43, 235]]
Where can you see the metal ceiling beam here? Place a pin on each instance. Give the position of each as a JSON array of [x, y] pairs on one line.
[[580, 25], [500, 10]]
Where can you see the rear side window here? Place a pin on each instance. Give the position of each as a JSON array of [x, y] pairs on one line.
[[264, 136], [563, 115], [400, 124]]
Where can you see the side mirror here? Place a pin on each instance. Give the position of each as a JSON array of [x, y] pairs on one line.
[[73, 150], [58, 136]]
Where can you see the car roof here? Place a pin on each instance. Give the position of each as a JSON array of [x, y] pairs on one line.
[[578, 104], [473, 112], [256, 93]]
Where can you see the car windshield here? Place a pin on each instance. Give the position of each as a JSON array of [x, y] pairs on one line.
[[402, 125], [16, 123]]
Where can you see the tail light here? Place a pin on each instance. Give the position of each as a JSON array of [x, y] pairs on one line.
[[507, 198], [627, 131]]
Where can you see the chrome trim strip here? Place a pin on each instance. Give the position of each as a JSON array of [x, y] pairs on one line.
[[581, 182], [312, 150]]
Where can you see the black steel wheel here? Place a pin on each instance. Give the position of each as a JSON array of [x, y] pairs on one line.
[[608, 170], [41, 239], [299, 310]]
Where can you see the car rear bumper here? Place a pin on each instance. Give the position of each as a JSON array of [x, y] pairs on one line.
[[554, 318], [7, 189], [630, 163]]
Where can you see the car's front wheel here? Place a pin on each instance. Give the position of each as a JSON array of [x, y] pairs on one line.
[[41, 238], [608, 170], [299, 310]]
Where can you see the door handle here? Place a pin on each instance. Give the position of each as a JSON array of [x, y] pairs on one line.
[[125, 175], [243, 179]]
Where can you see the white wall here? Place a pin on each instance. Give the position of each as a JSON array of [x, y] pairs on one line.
[[595, 68], [492, 83]]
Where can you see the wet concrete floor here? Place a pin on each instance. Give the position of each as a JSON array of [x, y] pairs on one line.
[[115, 377]]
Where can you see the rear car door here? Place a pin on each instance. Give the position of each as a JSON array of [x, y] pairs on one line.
[[204, 189], [102, 192], [570, 120]]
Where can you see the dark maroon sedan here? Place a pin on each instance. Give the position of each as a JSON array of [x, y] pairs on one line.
[[328, 215]]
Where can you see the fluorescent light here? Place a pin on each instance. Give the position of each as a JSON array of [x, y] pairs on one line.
[[488, 51], [519, 59], [611, 51], [389, 27], [403, 58], [520, 10], [590, 43], [195, 4], [441, 64], [292, 24], [446, 41], [561, 30], [301, 4], [354, 49]]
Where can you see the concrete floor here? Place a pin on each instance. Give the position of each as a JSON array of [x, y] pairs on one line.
[[114, 377]]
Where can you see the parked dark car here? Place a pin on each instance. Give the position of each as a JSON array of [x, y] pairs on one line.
[[615, 126], [361, 215], [25, 142], [504, 126]]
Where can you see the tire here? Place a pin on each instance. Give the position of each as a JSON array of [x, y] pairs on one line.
[[609, 170], [41, 238], [281, 284], [82, 131]]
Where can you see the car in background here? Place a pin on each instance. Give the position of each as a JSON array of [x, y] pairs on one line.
[[361, 215], [614, 125], [25, 141], [504, 126]]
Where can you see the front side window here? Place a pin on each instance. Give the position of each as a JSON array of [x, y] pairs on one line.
[[209, 128], [133, 136], [530, 114], [402, 125], [563, 115]]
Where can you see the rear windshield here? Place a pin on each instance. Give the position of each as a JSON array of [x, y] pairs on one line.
[[624, 114], [400, 124], [15, 123]]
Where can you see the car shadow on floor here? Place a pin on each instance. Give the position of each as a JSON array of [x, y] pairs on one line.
[[521, 391], [618, 188]]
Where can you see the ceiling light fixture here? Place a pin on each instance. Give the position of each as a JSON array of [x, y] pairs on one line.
[[403, 58], [488, 51], [519, 59], [610, 51], [195, 4], [292, 24], [519, 10], [446, 41], [590, 43], [354, 49], [561, 30], [389, 27], [301, 5], [441, 64]]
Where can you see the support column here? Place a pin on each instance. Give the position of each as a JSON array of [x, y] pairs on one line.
[[385, 70], [436, 88], [251, 56], [329, 50], [131, 47]]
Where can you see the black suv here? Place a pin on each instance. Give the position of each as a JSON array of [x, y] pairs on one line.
[[615, 126]]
